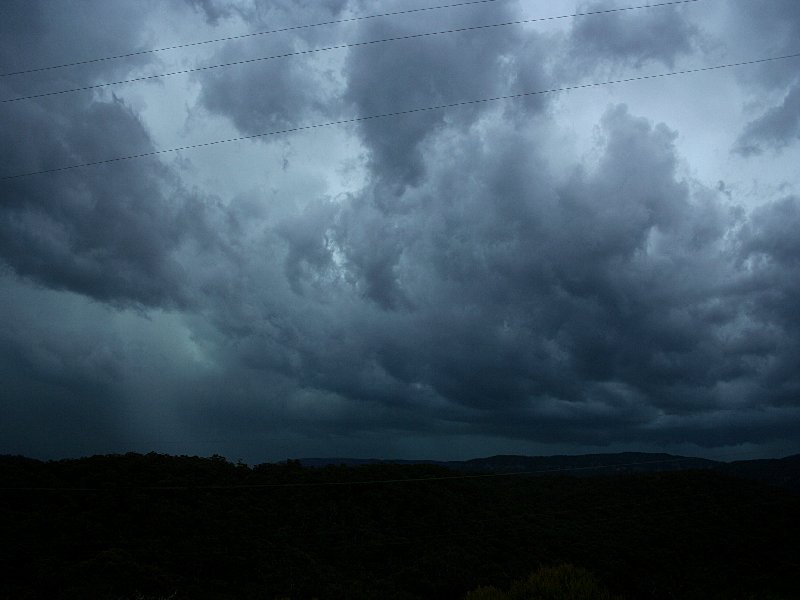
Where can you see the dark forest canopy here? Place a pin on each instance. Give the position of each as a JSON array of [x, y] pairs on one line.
[[158, 526]]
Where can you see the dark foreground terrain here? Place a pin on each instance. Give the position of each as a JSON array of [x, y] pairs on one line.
[[155, 526]]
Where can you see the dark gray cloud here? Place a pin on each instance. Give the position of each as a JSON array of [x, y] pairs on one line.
[[104, 232], [601, 283], [435, 70], [108, 232], [214, 10], [422, 71], [280, 93], [766, 29], [778, 127], [35, 35], [613, 305], [632, 38], [463, 274], [771, 30]]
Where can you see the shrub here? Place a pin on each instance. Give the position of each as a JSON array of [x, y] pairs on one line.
[[562, 582]]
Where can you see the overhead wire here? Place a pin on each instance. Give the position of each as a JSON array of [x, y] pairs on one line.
[[400, 113], [345, 46], [384, 115], [346, 121], [247, 35]]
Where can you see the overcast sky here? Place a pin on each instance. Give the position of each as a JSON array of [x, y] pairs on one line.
[[602, 269]]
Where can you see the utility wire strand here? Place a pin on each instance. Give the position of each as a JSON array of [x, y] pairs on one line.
[[399, 113], [350, 483], [344, 46], [247, 35]]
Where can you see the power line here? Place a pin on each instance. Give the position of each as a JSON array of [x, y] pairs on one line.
[[399, 113], [246, 35], [342, 47]]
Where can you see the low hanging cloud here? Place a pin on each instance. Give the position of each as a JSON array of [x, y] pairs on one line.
[[603, 291]]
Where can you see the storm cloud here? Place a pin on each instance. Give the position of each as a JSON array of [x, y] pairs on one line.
[[548, 273], [777, 86], [630, 38]]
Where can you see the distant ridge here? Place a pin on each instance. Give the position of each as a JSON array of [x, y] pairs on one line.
[[582, 464], [154, 526], [779, 472], [591, 464]]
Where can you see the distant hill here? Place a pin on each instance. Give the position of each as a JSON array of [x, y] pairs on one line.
[[151, 527], [318, 463], [581, 465], [586, 464], [782, 472]]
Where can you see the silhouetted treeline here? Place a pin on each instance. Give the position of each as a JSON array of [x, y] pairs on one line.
[[156, 526]]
